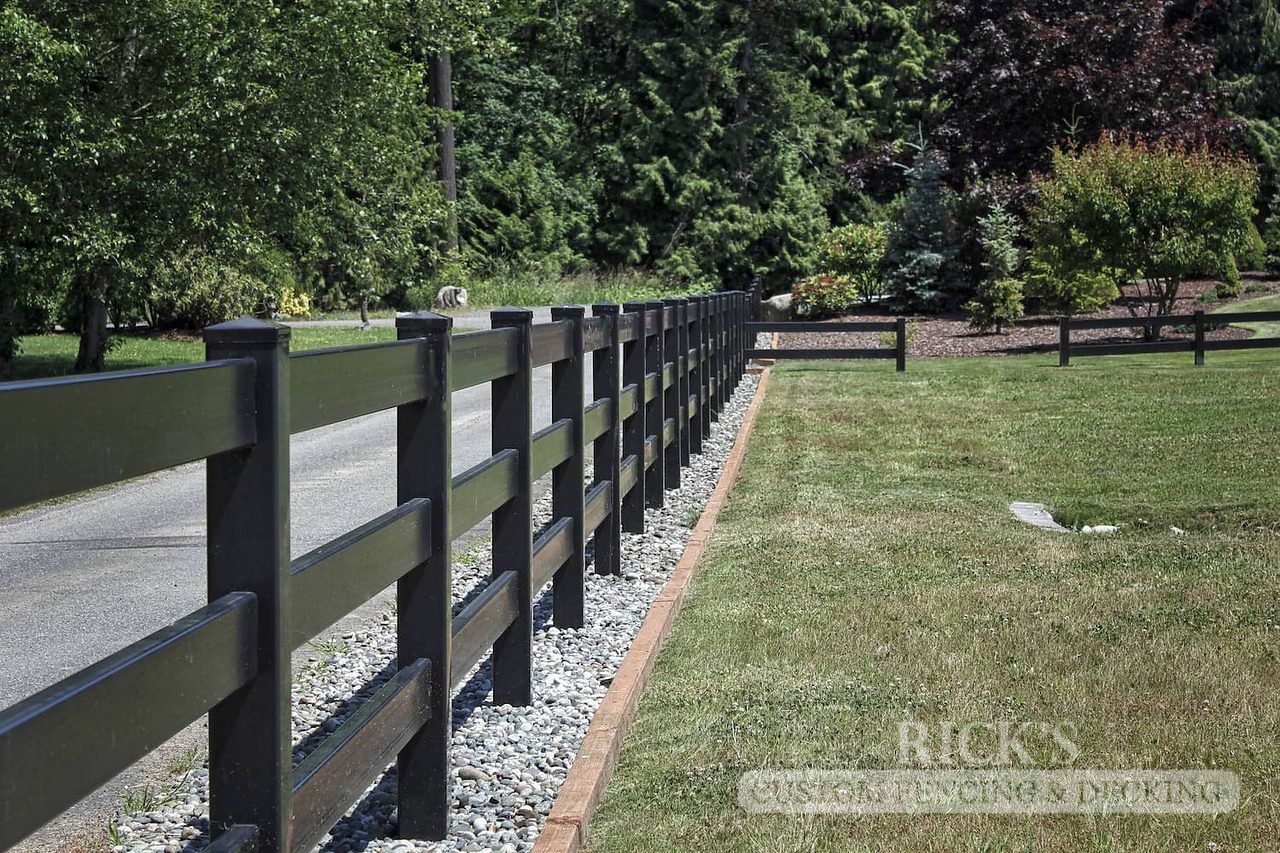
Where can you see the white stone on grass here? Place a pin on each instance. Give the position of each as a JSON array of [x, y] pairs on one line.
[[1037, 515]]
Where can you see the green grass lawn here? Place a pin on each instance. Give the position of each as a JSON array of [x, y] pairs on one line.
[[867, 572], [55, 354], [1262, 303]]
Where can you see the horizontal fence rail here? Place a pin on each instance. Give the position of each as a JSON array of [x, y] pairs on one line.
[[897, 352], [1200, 323], [662, 373]]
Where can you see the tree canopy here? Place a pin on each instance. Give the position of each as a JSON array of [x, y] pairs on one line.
[[173, 162]]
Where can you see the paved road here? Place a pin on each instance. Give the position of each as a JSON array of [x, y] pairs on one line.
[[81, 579]]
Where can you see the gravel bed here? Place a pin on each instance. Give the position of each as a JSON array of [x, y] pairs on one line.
[[508, 761]]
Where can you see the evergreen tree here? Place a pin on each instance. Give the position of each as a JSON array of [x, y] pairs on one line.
[[729, 150], [998, 299], [922, 244], [1245, 36]]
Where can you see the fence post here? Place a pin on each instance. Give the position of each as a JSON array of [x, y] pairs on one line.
[[900, 344], [653, 361], [1064, 341], [247, 513], [633, 354], [715, 305], [739, 337], [726, 363], [694, 334], [671, 396], [1199, 343], [567, 484], [732, 338], [757, 296], [512, 429], [424, 458], [704, 365], [682, 379], [607, 384]]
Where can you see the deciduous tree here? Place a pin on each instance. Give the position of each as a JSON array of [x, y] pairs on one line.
[[1144, 214]]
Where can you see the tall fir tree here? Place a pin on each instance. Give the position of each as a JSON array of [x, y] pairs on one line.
[[920, 262]]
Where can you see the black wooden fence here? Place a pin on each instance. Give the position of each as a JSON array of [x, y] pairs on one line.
[[898, 351], [1199, 322], [662, 373]]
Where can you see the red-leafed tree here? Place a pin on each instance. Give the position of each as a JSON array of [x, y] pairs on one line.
[[1029, 76]]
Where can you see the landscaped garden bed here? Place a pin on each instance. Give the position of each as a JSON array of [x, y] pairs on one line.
[[944, 335]]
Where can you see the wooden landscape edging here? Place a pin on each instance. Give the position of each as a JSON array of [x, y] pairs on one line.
[[578, 798]]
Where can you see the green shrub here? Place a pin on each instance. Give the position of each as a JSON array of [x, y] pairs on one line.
[[36, 311], [889, 340], [996, 304], [1271, 236], [1145, 216], [998, 300], [823, 295], [856, 253], [197, 290], [1229, 281], [1253, 256]]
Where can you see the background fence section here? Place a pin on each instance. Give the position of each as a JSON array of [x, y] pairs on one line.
[[898, 327], [1199, 323], [662, 372]]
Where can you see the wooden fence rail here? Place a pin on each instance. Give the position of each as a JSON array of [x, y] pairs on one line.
[[1199, 321], [662, 373], [898, 351]]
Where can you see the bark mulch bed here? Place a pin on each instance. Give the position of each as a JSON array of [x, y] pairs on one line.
[[948, 335]]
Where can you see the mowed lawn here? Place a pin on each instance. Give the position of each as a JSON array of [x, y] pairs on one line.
[[55, 354], [867, 572], [1264, 329]]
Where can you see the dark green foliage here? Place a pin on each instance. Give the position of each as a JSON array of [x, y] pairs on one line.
[[920, 262], [998, 300], [1253, 255], [196, 138], [530, 104], [703, 140], [1271, 236]]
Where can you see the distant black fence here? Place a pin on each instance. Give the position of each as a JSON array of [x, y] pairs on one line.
[[898, 351], [1199, 322], [662, 372]]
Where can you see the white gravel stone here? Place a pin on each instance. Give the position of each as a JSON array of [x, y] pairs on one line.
[[509, 761], [1037, 515]]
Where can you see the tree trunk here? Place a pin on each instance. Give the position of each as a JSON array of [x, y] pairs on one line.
[[8, 328], [742, 113], [364, 310], [440, 85], [92, 356]]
